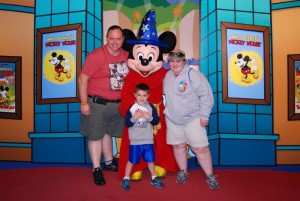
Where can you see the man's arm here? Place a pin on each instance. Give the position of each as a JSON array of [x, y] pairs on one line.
[[82, 85]]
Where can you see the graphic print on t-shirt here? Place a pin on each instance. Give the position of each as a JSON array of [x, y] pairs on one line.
[[117, 72]]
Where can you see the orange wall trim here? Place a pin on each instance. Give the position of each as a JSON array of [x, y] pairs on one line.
[[15, 154], [288, 157]]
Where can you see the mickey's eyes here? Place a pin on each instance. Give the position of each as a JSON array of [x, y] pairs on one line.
[[140, 56], [150, 57]]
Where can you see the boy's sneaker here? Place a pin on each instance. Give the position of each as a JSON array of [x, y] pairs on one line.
[[125, 185], [111, 167], [98, 177], [157, 183], [212, 182], [182, 176]]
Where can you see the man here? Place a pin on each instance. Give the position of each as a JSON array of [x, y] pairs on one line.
[[100, 99]]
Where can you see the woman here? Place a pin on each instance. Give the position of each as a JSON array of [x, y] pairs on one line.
[[189, 101]]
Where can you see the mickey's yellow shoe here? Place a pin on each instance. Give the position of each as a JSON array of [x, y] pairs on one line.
[[160, 172], [137, 176]]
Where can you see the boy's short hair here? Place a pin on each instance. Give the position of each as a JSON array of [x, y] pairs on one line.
[[143, 87]]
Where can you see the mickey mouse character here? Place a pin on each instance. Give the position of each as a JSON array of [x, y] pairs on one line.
[[59, 68], [245, 69], [146, 63]]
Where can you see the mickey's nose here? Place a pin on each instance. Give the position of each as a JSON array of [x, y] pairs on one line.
[[145, 62]]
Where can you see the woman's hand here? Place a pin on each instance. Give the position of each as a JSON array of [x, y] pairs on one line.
[[203, 122]]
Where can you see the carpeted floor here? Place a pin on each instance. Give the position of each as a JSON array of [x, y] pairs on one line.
[[75, 183]]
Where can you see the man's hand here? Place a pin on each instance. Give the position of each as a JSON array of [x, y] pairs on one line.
[[85, 109]]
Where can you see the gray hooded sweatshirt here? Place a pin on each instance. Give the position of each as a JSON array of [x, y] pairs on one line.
[[188, 96]]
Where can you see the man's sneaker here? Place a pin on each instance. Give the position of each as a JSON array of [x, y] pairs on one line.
[[182, 176], [212, 182], [111, 167], [157, 183], [125, 184], [98, 177]]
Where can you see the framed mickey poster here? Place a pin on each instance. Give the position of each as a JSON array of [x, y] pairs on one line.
[[294, 87], [58, 62], [245, 63], [10, 87]]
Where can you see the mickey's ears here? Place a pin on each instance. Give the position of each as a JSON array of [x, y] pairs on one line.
[[128, 35], [169, 38]]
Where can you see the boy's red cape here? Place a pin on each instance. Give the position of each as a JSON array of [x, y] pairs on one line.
[[163, 152]]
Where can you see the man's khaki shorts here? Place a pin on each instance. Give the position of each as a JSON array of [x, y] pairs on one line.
[[103, 119]]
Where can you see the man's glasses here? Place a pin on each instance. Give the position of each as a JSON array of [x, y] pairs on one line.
[[176, 54]]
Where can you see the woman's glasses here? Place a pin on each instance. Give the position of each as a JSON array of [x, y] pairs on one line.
[[176, 54]]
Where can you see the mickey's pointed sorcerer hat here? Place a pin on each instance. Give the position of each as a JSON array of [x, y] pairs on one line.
[[148, 33]]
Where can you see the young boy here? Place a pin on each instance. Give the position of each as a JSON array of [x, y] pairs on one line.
[[140, 119]]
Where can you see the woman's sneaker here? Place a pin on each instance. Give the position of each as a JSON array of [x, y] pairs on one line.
[[212, 182], [157, 183], [182, 176], [125, 185]]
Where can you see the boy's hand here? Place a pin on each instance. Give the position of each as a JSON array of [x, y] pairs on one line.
[[145, 114], [137, 114]]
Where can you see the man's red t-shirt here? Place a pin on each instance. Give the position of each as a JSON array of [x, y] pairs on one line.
[[106, 72]]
